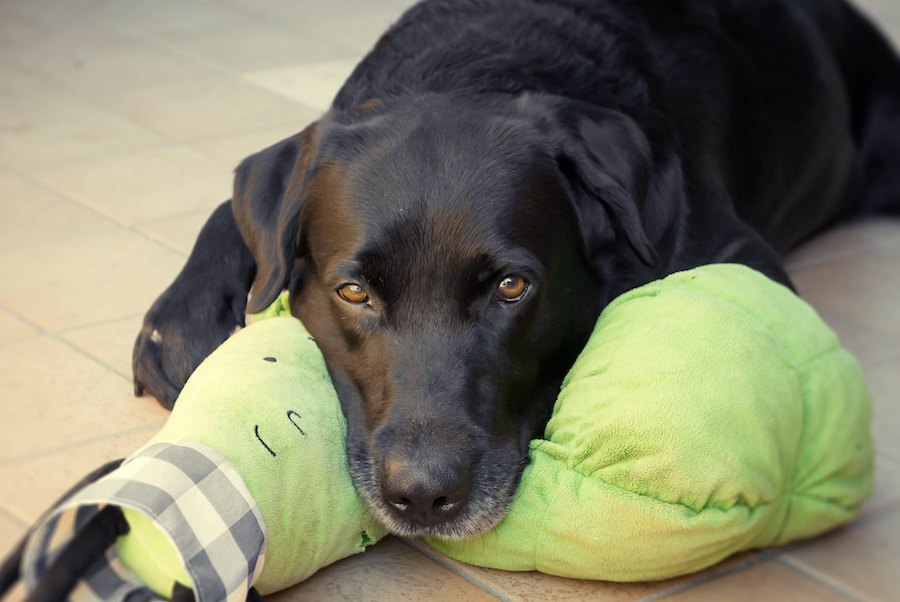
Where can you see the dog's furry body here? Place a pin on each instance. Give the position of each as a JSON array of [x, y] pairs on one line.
[[577, 148]]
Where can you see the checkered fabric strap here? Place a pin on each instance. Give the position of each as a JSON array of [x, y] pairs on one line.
[[190, 491]]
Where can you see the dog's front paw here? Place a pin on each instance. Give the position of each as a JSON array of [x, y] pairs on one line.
[[176, 336]]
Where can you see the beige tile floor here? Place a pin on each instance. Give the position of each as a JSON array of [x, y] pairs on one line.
[[120, 122]]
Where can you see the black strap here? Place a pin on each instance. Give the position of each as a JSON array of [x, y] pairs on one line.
[[181, 593], [82, 551], [10, 569]]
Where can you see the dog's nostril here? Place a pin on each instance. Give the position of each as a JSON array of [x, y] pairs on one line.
[[423, 496], [403, 504], [442, 504]]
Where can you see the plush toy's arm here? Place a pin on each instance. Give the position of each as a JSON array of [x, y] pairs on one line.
[[257, 429]]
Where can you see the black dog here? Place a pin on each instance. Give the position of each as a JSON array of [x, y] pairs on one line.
[[492, 174]]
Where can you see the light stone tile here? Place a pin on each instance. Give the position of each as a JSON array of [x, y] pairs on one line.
[[55, 396], [388, 570], [162, 18], [862, 558], [234, 148], [13, 328], [86, 279], [260, 46], [96, 61], [313, 84], [352, 23], [215, 107], [178, 232], [887, 486], [54, 12], [11, 531], [33, 484], [769, 581], [870, 347], [884, 384], [844, 240], [109, 343], [32, 213], [145, 185], [357, 30], [45, 124], [528, 586], [862, 288], [315, 9]]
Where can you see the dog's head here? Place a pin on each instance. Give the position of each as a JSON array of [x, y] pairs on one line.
[[450, 259]]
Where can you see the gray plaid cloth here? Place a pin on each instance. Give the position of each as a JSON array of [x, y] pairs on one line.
[[189, 490]]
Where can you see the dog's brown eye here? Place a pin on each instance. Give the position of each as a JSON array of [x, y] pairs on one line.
[[353, 293], [512, 288]]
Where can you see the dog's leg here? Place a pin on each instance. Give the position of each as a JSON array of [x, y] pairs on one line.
[[725, 238], [200, 309]]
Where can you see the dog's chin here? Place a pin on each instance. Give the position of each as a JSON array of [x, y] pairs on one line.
[[492, 495]]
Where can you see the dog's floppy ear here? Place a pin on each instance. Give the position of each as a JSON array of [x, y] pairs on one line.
[[268, 194], [608, 160], [613, 162]]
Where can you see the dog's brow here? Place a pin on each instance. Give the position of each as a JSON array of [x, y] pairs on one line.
[[346, 268], [520, 260]]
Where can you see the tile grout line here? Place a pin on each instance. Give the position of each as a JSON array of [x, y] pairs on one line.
[[876, 245], [62, 194], [118, 223], [76, 327], [55, 335], [100, 211], [74, 93], [234, 76], [761, 558], [20, 316], [265, 18], [823, 580], [169, 141], [90, 356], [819, 261], [12, 517], [79, 444], [466, 576]]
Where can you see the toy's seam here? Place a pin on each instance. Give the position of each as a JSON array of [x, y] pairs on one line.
[[750, 507], [803, 385]]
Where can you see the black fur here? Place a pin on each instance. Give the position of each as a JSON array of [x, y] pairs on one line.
[[586, 146]]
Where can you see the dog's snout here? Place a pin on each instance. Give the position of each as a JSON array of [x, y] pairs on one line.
[[425, 494]]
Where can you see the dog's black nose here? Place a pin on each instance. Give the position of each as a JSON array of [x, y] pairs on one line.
[[425, 494]]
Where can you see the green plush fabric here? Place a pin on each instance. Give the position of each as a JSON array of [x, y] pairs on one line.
[[265, 401], [710, 412], [149, 553]]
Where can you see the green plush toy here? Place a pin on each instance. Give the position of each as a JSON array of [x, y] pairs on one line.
[[246, 485], [711, 412]]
